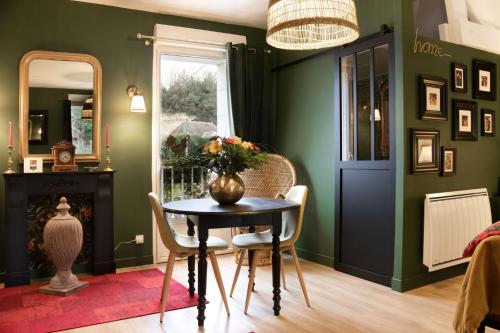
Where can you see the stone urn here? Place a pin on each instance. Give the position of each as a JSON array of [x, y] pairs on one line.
[[63, 238]]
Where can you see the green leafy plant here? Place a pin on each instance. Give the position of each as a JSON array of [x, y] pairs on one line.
[[224, 156]]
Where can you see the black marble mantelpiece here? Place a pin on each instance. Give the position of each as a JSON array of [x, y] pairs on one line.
[[18, 187]]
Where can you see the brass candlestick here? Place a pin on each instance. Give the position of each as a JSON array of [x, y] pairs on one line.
[[108, 159], [10, 163]]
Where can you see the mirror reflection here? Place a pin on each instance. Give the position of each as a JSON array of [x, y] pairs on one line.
[[60, 105]]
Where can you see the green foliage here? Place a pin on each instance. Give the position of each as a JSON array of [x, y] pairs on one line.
[[221, 157], [192, 96]]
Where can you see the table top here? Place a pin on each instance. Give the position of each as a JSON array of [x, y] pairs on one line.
[[246, 206]]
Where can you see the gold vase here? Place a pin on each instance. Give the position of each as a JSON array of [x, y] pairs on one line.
[[227, 189]]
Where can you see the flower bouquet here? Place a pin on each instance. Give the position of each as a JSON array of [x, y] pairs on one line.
[[226, 157]]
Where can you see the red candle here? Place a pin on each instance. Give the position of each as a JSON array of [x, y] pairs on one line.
[[10, 133], [107, 134]]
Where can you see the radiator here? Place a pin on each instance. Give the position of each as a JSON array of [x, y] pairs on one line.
[[451, 221]]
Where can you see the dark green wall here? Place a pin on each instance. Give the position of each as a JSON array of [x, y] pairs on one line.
[[304, 127], [478, 162], [51, 100], [107, 33]]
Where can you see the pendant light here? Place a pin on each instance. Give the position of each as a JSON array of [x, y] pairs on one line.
[[311, 24]]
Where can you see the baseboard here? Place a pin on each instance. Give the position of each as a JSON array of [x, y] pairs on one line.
[[134, 261], [424, 279], [315, 257]]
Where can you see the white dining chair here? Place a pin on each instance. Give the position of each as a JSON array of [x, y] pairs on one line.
[[292, 224], [181, 246]]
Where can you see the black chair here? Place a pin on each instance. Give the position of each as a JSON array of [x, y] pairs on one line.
[[488, 322]]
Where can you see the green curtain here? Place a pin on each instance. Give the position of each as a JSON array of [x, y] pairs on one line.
[[251, 92]]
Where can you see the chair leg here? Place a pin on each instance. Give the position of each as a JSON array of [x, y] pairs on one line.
[[283, 271], [299, 273], [250, 282], [166, 283], [215, 265], [237, 273]]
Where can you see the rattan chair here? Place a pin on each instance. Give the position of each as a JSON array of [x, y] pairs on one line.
[[272, 180], [292, 225], [183, 246]]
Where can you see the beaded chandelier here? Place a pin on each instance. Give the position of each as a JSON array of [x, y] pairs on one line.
[[311, 24]]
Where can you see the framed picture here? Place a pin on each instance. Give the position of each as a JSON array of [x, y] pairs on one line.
[[433, 98], [37, 127], [484, 79], [33, 165], [488, 123], [426, 156], [449, 159], [465, 120], [459, 78]]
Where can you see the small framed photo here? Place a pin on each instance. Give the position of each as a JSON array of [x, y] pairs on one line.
[[459, 78], [449, 159], [465, 120], [488, 123], [433, 98], [33, 165], [426, 155], [484, 79]]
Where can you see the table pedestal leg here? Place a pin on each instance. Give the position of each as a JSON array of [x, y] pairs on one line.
[[191, 261], [202, 272], [276, 259]]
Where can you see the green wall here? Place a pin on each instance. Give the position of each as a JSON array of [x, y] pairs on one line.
[[304, 127], [478, 162], [107, 33]]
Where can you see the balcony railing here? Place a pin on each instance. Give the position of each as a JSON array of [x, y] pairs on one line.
[[187, 183]]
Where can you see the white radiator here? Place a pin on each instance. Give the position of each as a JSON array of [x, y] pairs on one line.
[[451, 221]]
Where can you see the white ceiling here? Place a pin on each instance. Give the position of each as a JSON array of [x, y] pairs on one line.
[[252, 13], [61, 74]]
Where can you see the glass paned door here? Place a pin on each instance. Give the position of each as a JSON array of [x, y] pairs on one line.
[[365, 100], [365, 159]]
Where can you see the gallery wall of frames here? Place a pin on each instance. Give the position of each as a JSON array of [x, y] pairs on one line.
[[468, 120], [450, 141]]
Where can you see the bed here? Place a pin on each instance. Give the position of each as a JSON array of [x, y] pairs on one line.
[[479, 300]]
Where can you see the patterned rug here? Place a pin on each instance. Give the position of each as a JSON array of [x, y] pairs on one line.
[[108, 298]]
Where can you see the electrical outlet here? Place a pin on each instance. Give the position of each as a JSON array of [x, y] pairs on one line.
[[139, 239]]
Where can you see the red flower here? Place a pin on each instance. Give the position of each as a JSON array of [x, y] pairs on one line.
[[255, 148], [30, 244], [229, 141]]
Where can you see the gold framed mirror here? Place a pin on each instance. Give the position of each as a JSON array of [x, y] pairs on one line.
[[59, 99]]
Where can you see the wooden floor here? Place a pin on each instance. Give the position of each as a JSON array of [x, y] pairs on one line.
[[340, 303]]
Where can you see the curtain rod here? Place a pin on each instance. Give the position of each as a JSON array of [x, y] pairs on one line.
[[149, 39], [384, 29]]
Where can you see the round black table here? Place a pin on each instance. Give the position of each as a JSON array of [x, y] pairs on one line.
[[248, 212]]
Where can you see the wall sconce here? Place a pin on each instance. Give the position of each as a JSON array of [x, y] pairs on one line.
[[137, 103]]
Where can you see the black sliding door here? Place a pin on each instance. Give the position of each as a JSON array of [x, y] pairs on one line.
[[365, 159]]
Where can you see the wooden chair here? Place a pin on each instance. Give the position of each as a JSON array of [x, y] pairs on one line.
[[292, 224], [272, 180], [183, 246]]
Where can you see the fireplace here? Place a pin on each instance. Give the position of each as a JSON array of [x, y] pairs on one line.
[[28, 197]]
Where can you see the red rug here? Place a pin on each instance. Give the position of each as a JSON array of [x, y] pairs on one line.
[[108, 298]]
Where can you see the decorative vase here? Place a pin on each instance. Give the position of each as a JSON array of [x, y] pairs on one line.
[[227, 189], [63, 239]]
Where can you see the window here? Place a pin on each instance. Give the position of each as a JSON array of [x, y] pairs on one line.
[[191, 97], [194, 107]]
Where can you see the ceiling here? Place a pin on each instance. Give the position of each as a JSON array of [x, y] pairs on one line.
[[252, 13], [61, 74]]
